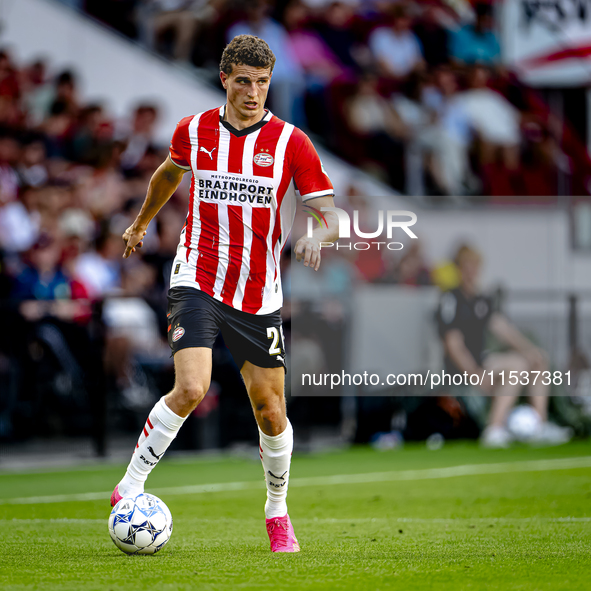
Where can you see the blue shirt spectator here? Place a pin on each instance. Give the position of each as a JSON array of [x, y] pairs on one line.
[[477, 43]]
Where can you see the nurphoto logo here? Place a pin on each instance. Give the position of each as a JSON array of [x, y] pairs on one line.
[[393, 219]]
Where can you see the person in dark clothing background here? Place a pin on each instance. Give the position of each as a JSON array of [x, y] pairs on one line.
[[465, 316]]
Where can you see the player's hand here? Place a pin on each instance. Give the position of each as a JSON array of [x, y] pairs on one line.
[[133, 238], [308, 250]]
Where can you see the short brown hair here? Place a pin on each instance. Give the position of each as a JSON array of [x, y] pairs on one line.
[[247, 50]]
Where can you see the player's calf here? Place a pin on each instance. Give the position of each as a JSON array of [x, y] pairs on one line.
[[275, 452], [162, 426]]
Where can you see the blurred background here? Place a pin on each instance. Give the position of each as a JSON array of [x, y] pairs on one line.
[[474, 115]]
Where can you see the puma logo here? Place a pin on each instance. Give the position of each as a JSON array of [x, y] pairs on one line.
[[155, 455], [282, 477], [208, 152]]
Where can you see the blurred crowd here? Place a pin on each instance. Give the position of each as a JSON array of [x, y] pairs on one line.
[[72, 179], [413, 92]]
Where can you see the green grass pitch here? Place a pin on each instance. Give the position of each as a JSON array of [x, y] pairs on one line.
[[454, 519]]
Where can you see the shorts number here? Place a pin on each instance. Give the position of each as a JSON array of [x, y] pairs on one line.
[[273, 333]]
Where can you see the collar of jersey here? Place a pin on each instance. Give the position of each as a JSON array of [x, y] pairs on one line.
[[246, 130]]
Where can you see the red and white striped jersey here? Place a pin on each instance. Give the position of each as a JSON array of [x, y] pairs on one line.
[[242, 203]]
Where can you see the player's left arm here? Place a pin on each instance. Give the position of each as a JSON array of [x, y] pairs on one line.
[[510, 335], [308, 248]]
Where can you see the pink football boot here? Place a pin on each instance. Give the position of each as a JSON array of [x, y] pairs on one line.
[[281, 535], [115, 497]]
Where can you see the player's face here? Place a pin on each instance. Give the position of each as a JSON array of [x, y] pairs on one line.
[[247, 89]]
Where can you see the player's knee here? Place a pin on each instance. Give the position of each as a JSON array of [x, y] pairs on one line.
[[270, 415], [191, 394]]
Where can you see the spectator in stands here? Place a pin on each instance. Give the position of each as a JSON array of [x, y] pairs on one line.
[[10, 92], [9, 82], [76, 228], [54, 198], [43, 279], [336, 30], [43, 97], [182, 17], [370, 116], [434, 37], [56, 128], [425, 142], [396, 48], [31, 169], [140, 137], [33, 79], [10, 151], [66, 91], [102, 187], [442, 98], [20, 221], [541, 161], [316, 58], [287, 91], [318, 63], [465, 317], [477, 43], [495, 122], [100, 270], [85, 142]]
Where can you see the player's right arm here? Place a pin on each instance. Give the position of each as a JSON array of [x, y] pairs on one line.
[[163, 184]]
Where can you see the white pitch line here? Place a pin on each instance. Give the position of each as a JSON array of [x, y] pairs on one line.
[[352, 520], [393, 476]]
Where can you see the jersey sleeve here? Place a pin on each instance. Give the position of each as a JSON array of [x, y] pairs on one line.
[[307, 170], [180, 145]]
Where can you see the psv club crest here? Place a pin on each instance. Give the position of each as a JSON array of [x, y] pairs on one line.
[[177, 334], [263, 159]]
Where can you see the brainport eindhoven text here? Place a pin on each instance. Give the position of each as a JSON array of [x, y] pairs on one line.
[[239, 192]]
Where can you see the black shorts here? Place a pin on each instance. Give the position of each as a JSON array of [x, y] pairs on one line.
[[195, 320]]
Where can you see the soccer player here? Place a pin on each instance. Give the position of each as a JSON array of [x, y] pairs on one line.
[[247, 166]]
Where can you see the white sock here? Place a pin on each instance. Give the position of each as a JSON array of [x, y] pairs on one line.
[[275, 452], [160, 429]]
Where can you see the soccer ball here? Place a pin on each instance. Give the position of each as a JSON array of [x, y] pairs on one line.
[[524, 422], [140, 525]]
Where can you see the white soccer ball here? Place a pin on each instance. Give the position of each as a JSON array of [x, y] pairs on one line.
[[140, 525], [524, 422]]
